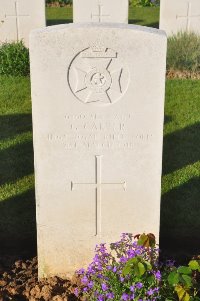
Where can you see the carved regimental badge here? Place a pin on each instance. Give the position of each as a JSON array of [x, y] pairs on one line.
[[98, 76]]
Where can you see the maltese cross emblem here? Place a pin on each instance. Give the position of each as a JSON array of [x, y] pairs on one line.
[[98, 76]]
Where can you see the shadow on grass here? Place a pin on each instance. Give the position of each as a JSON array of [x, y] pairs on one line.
[[12, 125], [134, 21], [181, 148], [180, 207], [180, 222], [17, 214], [17, 160], [142, 22], [167, 119], [18, 225], [59, 21], [154, 25]]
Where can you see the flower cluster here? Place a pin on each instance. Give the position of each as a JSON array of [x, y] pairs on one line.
[[127, 271]]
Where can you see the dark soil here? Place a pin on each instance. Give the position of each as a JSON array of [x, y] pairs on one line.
[[18, 282]]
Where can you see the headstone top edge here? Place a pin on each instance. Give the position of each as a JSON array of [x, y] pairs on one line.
[[54, 28]]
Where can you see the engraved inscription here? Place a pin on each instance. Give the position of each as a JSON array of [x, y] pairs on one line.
[[188, 16], [98, 185], [98, 76], [100, 16], [17, 15], [100, 132]]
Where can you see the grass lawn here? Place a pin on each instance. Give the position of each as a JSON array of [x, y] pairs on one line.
[[148, 16], [180, 222]]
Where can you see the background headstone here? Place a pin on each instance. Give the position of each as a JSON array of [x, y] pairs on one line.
[[98, 110], [100, 11], [19, 17], [180, 15]]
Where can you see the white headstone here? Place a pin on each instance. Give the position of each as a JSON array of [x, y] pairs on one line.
[[98, 109], [179, 16], [19, 17], [100, 11]]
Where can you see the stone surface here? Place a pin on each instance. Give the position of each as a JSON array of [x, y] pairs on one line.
[[100, 11], [19, 17], [98, 108], [180, 15]]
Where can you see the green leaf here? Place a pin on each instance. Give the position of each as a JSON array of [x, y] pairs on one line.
[[141, 269], [184, 270], [126, 270], [194, 265], [147, 241], [134, 260], [188, 280], [173, 278], [148, 265], [143, 240], [182, 293]]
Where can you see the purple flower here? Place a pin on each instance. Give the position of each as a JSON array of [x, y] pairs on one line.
[[110, 295], [158, 275], [91, 284], [104, 287], [81, 272], [156, 289], [138, 252], [100, 298], [99, 268], [139, 285], [96, 259], [132, 288], [150, 292], [105, 264], [131, 253], [125, 297], [76, 292], [84, 280], [91, 270], [124, 235], [115, 269], [123, 259]]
